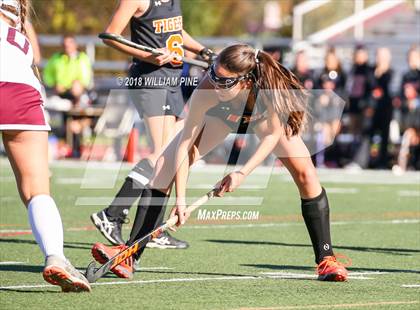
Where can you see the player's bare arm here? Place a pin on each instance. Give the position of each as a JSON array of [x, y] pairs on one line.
[[125, 11], [233, 180], [200, 102], [191, 44]]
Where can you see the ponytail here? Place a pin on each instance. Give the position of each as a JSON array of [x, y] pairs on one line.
[[286, 93], [24, 8], [279, 86], [16, 12]]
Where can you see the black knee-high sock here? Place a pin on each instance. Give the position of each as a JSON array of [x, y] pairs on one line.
[[316, 213], [131, 190], [150, 212], [126, 196]]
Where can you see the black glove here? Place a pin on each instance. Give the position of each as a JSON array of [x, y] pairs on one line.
[[208, 55]]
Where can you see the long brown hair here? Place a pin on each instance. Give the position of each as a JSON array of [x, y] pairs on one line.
[[287, 95], [24, 9]]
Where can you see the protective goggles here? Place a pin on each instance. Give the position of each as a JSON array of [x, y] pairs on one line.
[[223, 82]]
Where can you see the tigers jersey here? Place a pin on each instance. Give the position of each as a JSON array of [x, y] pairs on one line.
[[160, 26], [16, 57]]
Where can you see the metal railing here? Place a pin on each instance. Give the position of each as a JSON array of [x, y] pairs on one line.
[[360, 11], [90, 43]]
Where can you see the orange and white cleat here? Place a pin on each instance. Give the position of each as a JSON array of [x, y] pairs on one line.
[[59, 271], [102, 253], [329, 269]]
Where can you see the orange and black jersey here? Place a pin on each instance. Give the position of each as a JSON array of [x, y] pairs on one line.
[[239, 118], [160, 26]]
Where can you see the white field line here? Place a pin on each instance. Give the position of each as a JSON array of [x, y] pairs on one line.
[[12, 263], [156, 268], [409, 193], [263, 225], [225, 201], [367, 305], [364, 273], [210, 185], [69, 181], [9, 199], [411, 285], [326, 175], [5, 231], [140, 282], [172, 280], [288, 224], [367, 273], [290, 275], [141, 269], [7, 179], [341, 190], [330, 190]]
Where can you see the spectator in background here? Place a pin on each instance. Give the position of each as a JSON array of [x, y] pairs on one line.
[[327, 109], [409, 154], [302, 71], [69, 72], [327, 106], [333, 73], [412, 75], [380, 107], [359, 91], [275, 52], [69, 75]]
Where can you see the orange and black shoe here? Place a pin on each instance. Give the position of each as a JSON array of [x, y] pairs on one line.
[[329, 269], [103, 253]]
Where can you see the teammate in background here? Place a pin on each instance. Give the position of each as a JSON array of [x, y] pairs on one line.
[[409, 154], [25, 131], [302, 71], [333, 71], [359, 88], [245, 89], [157, 24], [380, 107]]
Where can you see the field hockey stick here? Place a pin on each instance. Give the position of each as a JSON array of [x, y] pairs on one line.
[[93, 274], [122, 40]]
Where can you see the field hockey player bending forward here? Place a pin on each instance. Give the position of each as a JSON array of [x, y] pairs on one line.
[[246, 89]]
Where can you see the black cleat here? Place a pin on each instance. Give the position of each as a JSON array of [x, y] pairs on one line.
[[166, 241], [109, 227]]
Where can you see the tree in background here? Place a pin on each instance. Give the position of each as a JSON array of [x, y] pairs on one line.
[[201, 17], [71, 16]]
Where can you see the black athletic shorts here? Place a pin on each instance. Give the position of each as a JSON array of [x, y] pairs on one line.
[[158, 101]]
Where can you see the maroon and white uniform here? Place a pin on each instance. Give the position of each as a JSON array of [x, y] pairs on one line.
[[21, 103]]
